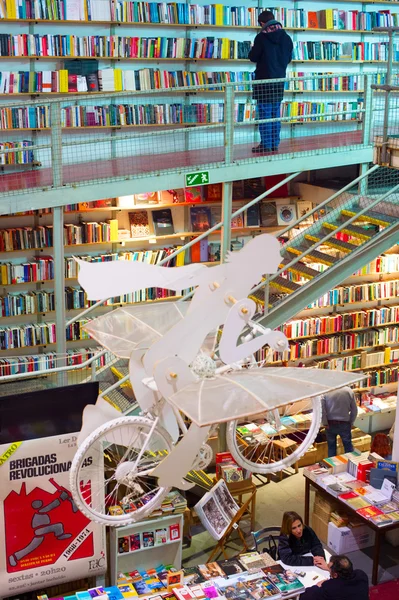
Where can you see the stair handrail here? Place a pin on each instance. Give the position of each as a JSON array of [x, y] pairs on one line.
[[194, 241], [83, 365], [327, 237]]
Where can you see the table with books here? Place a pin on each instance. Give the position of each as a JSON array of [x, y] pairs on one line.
[[364, 487], [250, 576]]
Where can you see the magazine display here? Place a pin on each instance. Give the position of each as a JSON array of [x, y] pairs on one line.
[[216, 509]]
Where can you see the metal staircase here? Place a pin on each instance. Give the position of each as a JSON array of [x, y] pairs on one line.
[[350, 229]]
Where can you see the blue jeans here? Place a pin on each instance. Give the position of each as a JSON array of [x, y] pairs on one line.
[[344, 430], [269, 132]]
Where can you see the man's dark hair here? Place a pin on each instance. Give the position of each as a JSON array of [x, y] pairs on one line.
[[341, 566], [265, 17]]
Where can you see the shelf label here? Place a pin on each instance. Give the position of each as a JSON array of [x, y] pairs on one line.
[[200, 178]]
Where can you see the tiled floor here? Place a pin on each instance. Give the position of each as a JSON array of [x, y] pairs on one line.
[[272, 501]]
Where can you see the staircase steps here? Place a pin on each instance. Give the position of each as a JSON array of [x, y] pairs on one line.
[[353, 230], [314, 255], [299, 268], [284, 285], [372, 217], [332, 242]]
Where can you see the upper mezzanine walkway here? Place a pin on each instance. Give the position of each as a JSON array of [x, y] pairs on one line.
[[79, 164]]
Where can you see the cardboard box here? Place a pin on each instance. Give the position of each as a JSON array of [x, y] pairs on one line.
[[320, 527], [342, 540]]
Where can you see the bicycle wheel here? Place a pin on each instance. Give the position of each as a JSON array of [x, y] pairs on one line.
[[277, 438], [107, 484]]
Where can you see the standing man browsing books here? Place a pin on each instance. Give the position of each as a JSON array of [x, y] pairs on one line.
[[339, 412], [272, 52]]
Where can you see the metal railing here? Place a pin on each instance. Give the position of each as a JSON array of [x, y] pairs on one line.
[[148, 132]]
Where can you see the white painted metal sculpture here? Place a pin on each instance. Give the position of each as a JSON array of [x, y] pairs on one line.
[[184, 382]]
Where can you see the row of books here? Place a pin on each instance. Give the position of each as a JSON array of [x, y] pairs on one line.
[[114, 80], [381, 290], [327, 50], [340, 343], [385, 263], [179, 13], [335, 19], [381, 376], [22, 238], [56, 10], [38, 334], [121, 115], [61, 81], [318, 111], [22, 157], [231, 579], [324, 325], [114, 46], [42, 269], [43, 362], [361, 361], [184, 14], [35, 45]]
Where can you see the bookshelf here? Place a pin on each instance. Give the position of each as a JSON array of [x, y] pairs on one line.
[[169, 552], [353, 327], [109, 229]]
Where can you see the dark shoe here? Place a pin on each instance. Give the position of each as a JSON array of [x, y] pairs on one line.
[[260, 149]]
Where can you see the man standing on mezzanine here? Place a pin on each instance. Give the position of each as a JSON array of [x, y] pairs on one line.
[[272, 53]]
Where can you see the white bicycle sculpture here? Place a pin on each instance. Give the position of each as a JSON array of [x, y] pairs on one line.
[[185, 382]]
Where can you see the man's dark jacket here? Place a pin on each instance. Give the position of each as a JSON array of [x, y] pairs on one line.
[[272, 52], [292, 549], [355, 588]]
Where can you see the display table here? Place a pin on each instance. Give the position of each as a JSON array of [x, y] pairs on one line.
[[379, 531], [313, 575]]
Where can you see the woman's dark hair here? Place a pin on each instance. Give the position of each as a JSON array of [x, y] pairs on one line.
[[341, 566], [289, 518], [265, 16]]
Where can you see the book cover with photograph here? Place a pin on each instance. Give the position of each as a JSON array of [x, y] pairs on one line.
[[148, 539], [147, 198], [161, 536], [192, 576], [213, 192], [285, 581], [123, 545], [235, 591], [135, 542], [194, 195], [216, 509], [268, 214], [286, 214], [163, 222], [252, 216], [200, 217], [303, 207], [230, 566], [139, 224], [262, 588], [210, 571], [174, 531]]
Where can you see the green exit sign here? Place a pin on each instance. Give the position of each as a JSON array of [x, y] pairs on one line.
[[200, 178]]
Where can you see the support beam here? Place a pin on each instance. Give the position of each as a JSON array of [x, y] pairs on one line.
[[227, 208], [164, 180], [59, 287]]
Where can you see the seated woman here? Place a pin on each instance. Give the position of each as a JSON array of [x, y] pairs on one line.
[[296, 540]]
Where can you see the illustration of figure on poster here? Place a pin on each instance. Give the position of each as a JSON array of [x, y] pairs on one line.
[[41, 524]]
